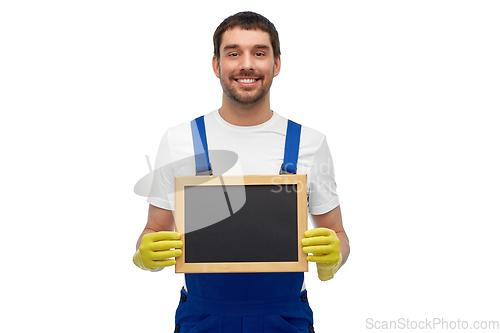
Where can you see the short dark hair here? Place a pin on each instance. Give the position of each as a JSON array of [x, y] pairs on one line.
[[247, 21]]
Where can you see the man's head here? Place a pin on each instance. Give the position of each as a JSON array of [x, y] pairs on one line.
[[246, 58], [247, 21]]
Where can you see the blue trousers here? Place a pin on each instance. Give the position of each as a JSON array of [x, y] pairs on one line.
[[290, 314]]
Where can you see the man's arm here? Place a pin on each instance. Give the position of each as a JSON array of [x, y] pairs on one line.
[[158, 245], [159, 219], [333, 220]]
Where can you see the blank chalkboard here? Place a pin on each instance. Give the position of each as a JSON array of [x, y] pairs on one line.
[[241, 223]]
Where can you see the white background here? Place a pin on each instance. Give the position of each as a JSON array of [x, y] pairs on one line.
[[406, 92]]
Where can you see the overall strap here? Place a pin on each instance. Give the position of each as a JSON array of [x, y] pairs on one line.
[[291, 148], [200, 145]]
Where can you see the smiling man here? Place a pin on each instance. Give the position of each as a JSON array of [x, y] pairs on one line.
[[246, 66], [246, 59]]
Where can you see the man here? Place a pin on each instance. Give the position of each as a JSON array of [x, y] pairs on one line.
[[246, 59]]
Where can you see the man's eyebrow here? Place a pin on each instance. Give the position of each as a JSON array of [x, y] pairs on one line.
[[230, 46], [235, 46]]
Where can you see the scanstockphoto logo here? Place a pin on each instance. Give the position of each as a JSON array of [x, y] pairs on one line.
[[320, 176], [222, 161], [224, 201], [431, 324]]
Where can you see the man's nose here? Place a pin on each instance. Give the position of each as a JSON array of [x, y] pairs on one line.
[[246, 62]]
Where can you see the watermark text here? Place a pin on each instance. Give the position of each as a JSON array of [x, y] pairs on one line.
[[430, 324]]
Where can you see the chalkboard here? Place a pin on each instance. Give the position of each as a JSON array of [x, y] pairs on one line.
[[241, 223]]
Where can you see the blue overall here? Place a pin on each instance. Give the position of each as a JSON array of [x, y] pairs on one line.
[[244, 302]]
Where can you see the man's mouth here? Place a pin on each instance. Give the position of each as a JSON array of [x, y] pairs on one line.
[[246, 80]]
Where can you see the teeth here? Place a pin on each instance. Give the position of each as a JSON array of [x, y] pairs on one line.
[[247, 80]]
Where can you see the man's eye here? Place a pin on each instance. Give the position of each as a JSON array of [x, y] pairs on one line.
[[234, 54], [259, 54]]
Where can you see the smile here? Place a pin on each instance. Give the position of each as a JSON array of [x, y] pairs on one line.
[[246, 80]]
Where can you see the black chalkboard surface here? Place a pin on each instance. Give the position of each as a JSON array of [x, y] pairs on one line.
[[241, 223]]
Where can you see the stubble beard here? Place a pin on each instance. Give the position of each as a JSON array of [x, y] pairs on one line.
[[242, 98]]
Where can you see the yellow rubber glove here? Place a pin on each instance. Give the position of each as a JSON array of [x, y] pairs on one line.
[[324, 245], [156, 248]]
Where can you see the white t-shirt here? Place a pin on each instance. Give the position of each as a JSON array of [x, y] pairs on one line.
[[254, 150]]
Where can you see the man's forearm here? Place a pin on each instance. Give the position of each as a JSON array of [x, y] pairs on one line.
[[345, 249]]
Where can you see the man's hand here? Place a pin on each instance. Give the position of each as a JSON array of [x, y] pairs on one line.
[[156, 248], [324, 245]]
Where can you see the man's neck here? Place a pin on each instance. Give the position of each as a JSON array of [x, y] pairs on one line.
[[241, 115]]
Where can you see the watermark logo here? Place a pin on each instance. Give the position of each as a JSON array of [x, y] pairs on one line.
[[222, 160], [222, 201], [225, 201], [430, 324]]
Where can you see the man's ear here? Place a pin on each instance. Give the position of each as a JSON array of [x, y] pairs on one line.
[[277, 66], [215, 66]]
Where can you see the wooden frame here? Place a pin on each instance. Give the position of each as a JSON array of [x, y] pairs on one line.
[[299, 183]]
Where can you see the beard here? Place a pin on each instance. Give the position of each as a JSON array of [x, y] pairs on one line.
[[245, 96]]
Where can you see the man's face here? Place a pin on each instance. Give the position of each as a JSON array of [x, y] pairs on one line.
[[246, 67]]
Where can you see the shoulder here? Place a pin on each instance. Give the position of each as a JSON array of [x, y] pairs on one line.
[[312, 136], [178, 140], [309, 137], [177, 134], [182, 131]]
